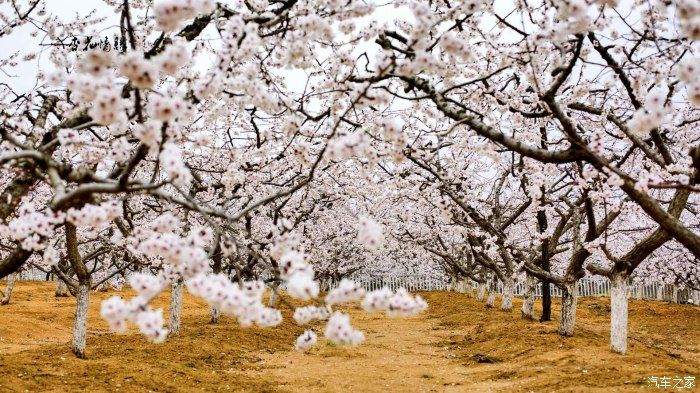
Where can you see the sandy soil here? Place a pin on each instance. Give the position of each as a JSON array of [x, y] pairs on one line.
[[457, 346]]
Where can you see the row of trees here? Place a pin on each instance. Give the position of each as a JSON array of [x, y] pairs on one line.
[[228, 144]]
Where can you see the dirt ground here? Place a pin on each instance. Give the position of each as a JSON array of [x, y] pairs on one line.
[[457, 346]]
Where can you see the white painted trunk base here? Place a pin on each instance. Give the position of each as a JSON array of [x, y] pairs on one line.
[[480, 292], [508, 289], [8, 290], [61, 288], [491, 298], [215, 315], [175, 307], [568, 309], [80, 320], [528, 309], [618, 314]]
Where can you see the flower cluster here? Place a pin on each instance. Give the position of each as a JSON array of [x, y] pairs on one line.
[[94, 215], [169, 13], [305, 341], [107, 107], [346, 292], [369, 233], [31, 227], [304, 315], [651, 115], [116, 311], [298, 274], [243, 302], [173, 164], [400, 304], [340, 332], [688, 72]]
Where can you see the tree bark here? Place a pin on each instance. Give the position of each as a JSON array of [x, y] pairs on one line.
[[175, 311], [528, 310], [8, 291], [215, 315], [508, 287], [568, 309], [491, 294], [480, 291], [61, 288], [618, 314], [80, 320]]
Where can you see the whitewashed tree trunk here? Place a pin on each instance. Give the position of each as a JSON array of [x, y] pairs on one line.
[[660, 292], [215, 315], [80, 320], [528, 310], [568, 309], [480, 292], [696, 298], [618, 314], [175, 313], [490, 294], [8, 290], [61, 288], [508, 288]]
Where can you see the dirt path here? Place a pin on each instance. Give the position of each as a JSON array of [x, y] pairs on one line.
[[399, 355]]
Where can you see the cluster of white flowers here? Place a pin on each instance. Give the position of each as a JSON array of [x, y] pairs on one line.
[[689, 16], [400, 303], [167, 108], [51, 256], [377, 300], [150, 322], [304, 315], [140, 71], [173, 57], [651, 115], [243, 302], [369, 233], [307, 340], [455, 46], [94, 215], [346, 292], [295, 269], [340, 332], [96, 62], [170, 13], [347, 146], [174, 166], [149, 133], [107, 107], [31, 227], [688, 72]]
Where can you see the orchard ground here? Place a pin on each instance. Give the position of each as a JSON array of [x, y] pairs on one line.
[[458, 345]]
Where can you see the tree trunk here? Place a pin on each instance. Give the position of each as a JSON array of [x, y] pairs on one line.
[[175, 307], [618, 314], [507, 299], [61, 288], [8, 291], [528, 310], [215, 315], [568, 309], [480, 291], [491, 294], [80, 321], [273, 299]]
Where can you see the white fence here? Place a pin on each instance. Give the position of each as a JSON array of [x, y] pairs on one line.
[[587, 286]]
